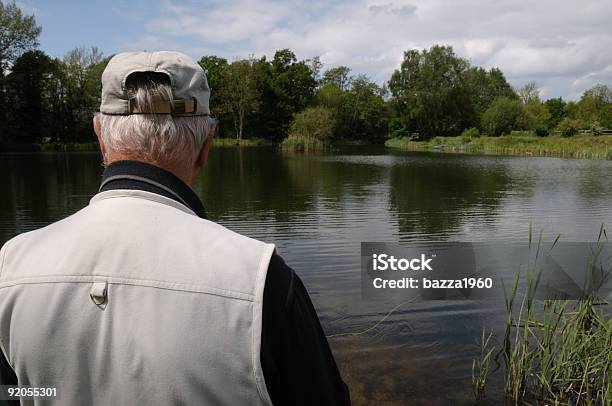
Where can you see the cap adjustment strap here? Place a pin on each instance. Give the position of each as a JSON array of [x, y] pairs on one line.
[[178, 106]]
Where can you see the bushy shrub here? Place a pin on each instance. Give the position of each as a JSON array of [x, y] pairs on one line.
[[502, 116], [567, 127], [541, 131], [437, 141], [469, 133], [313, 122], [596, 128]]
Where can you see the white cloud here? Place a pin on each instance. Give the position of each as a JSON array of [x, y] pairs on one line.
[[564, 46]]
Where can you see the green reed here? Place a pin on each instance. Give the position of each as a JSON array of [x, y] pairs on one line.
[[554, 351], [481, 365]]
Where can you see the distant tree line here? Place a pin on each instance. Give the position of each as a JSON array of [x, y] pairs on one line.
[[434, 92]]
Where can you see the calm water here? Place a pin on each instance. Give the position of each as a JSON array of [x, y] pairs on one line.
[[317, 210]]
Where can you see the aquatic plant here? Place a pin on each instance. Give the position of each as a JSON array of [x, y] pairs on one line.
[[555, 351], [481, 365]]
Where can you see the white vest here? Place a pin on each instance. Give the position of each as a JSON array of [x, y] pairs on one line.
[[134, 300]]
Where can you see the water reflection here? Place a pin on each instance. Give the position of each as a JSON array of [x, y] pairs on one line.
[[318, 209], [435, 195]]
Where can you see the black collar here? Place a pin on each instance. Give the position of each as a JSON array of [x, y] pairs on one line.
[[150, 178]]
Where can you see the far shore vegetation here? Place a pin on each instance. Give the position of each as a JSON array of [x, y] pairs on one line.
[[434, 100], [584, 146]]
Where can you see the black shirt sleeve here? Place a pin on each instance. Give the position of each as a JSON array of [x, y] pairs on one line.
[[7, 377], [297, 363]]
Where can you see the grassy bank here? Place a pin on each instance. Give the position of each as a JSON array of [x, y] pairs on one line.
[[579, 146], [234, 142], [52, 147], [70, 146], [304, 144], [94, 147], [310, 144]]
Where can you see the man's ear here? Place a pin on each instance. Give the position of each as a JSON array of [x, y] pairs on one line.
[[203, 155], [96, 126]]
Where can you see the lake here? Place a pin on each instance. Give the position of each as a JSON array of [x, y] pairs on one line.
[[317, 209]]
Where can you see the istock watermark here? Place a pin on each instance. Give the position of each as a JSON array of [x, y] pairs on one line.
[[477, 271], [383, 262]]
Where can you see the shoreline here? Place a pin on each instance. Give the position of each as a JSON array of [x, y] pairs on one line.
[[93, 146], [578, 146], [525, 145]]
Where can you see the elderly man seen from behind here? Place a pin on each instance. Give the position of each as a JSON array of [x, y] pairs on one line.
[[138, 299]]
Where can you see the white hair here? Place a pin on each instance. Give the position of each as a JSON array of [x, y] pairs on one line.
[[158, 138]]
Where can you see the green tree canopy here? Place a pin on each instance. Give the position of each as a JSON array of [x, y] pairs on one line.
[[83, 69], [18, 33], [595, 106], [536, 116], [529, 93], [340, 76], [313, 122], [215, 67], [485, 86], [503, 116], [556, 108], [430, 93], [288, 87], [240, 92], [34, 87]]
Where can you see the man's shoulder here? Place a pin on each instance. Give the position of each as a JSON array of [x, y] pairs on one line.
[[50, 231]]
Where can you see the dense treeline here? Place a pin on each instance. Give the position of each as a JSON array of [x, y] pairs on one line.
[[433, 92]]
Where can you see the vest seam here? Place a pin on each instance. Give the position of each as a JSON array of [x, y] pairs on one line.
[[2, 345], [172, 286], [121, 193], [6, 356], [5, 248], [258, 307]]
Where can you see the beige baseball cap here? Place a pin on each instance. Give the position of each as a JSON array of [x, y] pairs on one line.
[[190, 89]]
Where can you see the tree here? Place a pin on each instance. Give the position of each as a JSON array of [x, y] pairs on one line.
[[529, 93], [313, 123], [485, 86], [595, 106], [315, 65], [18, 33], [215, 67], [240, 92], [536, 116], [556, 108], [82, 70], [340, 76], [288, 87], [331, 96], [568, 127], [364, 111], [503, 116], [430, 94], [360, 112], [33, 86]]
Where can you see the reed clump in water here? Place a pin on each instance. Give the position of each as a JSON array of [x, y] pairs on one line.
[[311, 130], [553, 351]]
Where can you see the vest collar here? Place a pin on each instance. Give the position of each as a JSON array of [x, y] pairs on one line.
[[140, 194], [131, 175]]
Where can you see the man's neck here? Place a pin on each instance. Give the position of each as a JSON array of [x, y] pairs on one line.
[[180, 170], [133, 174]]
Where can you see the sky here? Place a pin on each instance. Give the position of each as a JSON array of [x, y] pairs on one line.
[[563, 46]]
